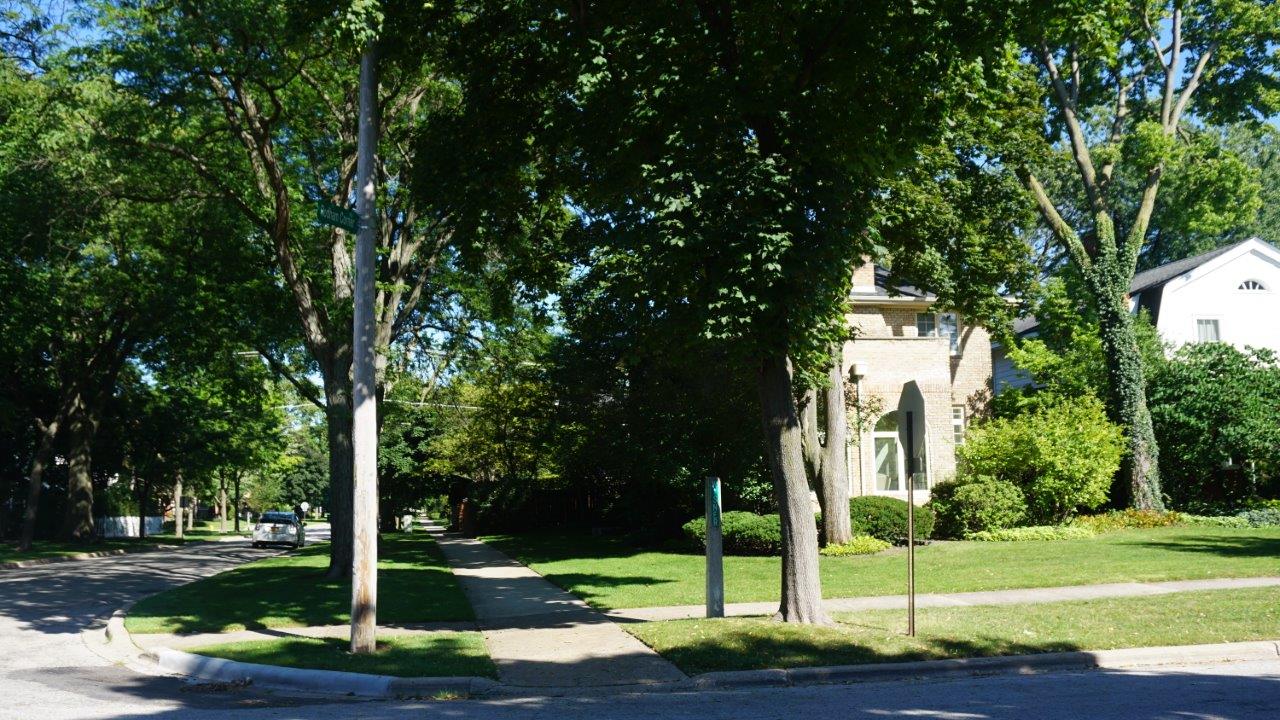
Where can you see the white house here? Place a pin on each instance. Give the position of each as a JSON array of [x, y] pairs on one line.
[[1231, 295]]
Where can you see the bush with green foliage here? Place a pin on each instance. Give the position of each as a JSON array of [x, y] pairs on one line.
[[1214, 410], [744, 533], [969, 504], [1128, 520], [115, 500], [1226, 521], [1035, 532], [1262, 517], [886, 518], [1062, 456], [859, 545]]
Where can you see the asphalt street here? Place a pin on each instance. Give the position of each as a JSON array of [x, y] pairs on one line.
[[48, 673]]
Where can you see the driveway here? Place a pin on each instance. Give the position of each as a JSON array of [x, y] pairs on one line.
[[47, 673]]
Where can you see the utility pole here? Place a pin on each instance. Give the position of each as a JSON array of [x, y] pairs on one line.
[[364, 510]]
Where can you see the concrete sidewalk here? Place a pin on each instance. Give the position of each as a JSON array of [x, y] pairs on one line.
[[993, 597], [540, 635]]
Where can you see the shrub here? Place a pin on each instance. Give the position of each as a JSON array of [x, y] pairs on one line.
[[1227, 521], [1263, 517], [971, 504], [744, 533], [1035, 532], [886, 518], [1214, 409], [1062, 456], [1128, 519], [859, 545]]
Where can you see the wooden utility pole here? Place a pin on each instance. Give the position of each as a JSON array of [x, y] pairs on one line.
[[364, 510]]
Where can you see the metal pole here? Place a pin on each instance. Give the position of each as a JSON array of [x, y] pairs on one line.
[[911, 525], [715, 550], [364, 435]]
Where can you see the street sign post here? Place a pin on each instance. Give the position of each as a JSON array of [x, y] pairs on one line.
[[715, 550], [329, 214]]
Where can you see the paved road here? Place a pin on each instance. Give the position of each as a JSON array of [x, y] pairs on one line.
[[47, 673]]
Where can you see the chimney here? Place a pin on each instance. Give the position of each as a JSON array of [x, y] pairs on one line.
[[864, 276]]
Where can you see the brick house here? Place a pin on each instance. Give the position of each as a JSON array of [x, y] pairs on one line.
[[914, 359]]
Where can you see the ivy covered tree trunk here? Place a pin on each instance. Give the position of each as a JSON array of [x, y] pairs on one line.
[[801, 584], [1139, 482]]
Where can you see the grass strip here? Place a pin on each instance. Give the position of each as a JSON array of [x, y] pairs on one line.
[[434, 654], [1189, 618], [414, 585], [608, 573]]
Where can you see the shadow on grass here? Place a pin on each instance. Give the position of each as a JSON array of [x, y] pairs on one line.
[[757, 651], [1222, 545], [414, 583], [421, 655]]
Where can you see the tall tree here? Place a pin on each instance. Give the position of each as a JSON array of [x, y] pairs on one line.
[[1124, 84], [723, 159], [258, 100]]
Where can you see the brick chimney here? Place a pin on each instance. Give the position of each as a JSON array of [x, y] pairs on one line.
[[864, 276]]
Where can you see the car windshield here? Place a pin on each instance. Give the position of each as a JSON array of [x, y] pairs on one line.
[[277, 517]]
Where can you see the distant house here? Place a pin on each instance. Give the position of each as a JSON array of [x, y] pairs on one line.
[[911, 358], [1229, 295]]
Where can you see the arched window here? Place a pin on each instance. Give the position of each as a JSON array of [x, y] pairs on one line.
[[1252, 286], [888, 454]]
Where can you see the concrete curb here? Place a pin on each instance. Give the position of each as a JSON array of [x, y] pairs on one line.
[[385, 686], [19, 564], [315, 681], [1012, 664]]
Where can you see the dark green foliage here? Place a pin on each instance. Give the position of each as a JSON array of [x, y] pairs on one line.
[[1261, 517], [886, 518], [745, 533], [969, 504], [1216, 410]]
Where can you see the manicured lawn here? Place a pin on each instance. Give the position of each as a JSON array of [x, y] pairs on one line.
[[436, 654], [42, 550], [414, 585], [609, 574], [699, 646]]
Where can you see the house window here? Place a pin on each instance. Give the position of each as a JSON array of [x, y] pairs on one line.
[[1207, 330], [957, 423], [945, 325], [926, 325], [1253, 286]]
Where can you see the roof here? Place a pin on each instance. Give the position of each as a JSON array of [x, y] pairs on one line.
[[1153, 278], [885, 289], [1148, 279]]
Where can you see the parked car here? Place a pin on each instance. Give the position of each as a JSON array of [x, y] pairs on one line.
[[277, 528]]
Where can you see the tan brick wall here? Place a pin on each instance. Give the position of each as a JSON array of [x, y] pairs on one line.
[[890, 355]]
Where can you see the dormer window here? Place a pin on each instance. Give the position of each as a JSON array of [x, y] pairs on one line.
[[1252, 286]]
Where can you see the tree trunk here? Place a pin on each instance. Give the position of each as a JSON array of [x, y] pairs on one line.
[[191, 514], [834, 493], [222, 503], [1139, 483], [236, 481], [142, 509], [341, 465], [41, 460], [77, 523], [177, 505], [801, 583]]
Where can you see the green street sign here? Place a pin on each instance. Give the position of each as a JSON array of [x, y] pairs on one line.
[[329, 214]]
